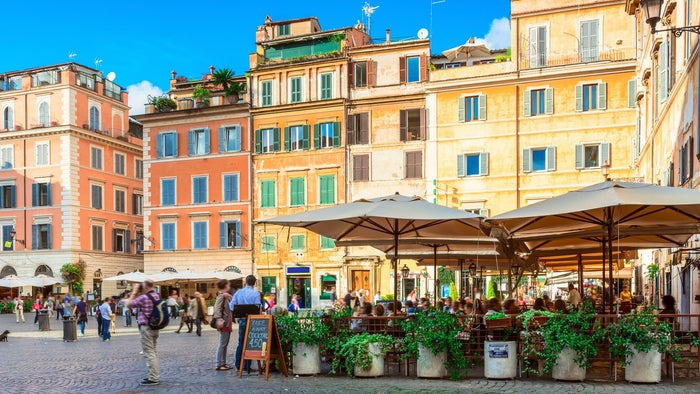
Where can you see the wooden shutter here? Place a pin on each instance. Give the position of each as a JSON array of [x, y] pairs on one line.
[[371, 77], [423, 68], [402, 69], [408, 172], [482, 107], [403, 125], [663, 71], [533, 47], [423, 120], [239, 235], [461, 117], [127, 241], [35, 194], [527, 160], [351, 74], [190, 143], [461, 167], [605, 153], [48, 193], [578, 157], [336, 134], [350, 130], [483, 163], [159, 146], [602, 95], [223, 141], [276, 136], [258, 141], [317, 136], [223, 235], [35, 236], [287, 139], [526, 103], [632, 93], [13, 196], [549, 101], [207, 141], [578, 93], [307, 139], [364, 128], [551, 158], [133, 204], [114, 240]]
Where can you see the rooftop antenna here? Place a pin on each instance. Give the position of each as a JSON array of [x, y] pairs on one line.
[[71, 56], [369, 10], [98, 62], [432, 3]]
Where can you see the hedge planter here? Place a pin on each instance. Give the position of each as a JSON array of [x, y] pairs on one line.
[[505, 322], [377, 366], [566, 368], [643, 367], [306, 359], [500, 359], [430, 365]]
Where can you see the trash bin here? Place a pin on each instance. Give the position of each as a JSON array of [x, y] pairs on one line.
[[70, 329], [44, 320]]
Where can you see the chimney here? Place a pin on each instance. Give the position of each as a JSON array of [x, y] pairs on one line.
[[173, 74], [211, 69], [471, 40], [388, 36]]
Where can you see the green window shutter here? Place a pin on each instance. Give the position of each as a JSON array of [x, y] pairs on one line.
[[526, 103], [551, 158], [460, 111], [578, 156], [483, 163], [317, 136], [287, 139], [663, 71], [258, 141], [306, 142], [602, 95], [327, 189], [336, 134], [549, 101], [527, 160], [276, 135], [482, 107], [461, 167], [605, 153], [632, 93], [579, 98]]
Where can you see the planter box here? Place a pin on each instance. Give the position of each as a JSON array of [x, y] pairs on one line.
[[505, 322], [643, 367], [306, 359], [377, 368], [566, 368], [500, 359], [430, 365]]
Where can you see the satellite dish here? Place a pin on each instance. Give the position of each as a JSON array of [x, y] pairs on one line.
[[111, 75], [423, 33]]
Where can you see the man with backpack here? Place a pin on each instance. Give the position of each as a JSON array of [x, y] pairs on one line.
[[149, 307]]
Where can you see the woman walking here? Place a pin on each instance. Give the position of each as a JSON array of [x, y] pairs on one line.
[[222, 317]]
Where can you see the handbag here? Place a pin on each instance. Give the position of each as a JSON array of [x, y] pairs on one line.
[[217, 323]]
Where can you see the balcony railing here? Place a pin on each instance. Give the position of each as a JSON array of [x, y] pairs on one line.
[[547, 60]]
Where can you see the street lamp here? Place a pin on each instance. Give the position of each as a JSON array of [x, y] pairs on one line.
[[472, 269], [652, 9], [404, 274], [13, 233], [605, 170], [516, 270]]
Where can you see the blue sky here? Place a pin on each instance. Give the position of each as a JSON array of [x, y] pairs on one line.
[[142, 41]]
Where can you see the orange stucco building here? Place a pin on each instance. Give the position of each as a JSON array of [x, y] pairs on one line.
[[70, 176]]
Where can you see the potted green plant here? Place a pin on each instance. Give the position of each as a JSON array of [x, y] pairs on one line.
[[224, 77], [303, 336], [639, 339], [498, 320], [361, 354], [201, 96], [233, 92], [433, 339]]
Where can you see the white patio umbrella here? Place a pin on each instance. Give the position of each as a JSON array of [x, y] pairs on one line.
[[12, 281], [468, 49], [229, 275], [42, 281], [135, 276]]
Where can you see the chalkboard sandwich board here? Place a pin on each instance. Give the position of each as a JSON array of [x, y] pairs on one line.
[[262, 343]]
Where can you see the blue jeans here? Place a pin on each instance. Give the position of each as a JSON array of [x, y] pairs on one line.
[[239, 349], [105, 329], [127, 319], [81, 324]]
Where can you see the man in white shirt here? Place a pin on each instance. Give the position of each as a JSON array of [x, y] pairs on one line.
[[574, 296]]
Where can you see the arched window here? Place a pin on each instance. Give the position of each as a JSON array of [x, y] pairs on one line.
[[94, 118], [169, 269], [43, 270], [44, 114], [8, 119], [7, 270], [233, 268]]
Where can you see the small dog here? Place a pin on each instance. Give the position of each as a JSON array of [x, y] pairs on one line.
[[3, 336]]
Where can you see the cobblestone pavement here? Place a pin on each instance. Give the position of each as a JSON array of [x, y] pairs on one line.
[[40, 362]]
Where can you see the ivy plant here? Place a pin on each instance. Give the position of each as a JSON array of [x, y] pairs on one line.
[[354, 351], [296, 329]]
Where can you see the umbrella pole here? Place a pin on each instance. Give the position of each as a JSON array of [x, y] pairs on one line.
[[604, 258], [396, 260], [580, 273], [461, 278], [435, 274], [610, 261]]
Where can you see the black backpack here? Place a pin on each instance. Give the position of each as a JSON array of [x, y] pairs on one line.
[[160, 317]]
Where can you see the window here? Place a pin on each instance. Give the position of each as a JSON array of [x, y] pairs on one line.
[[46, 78], [326, 86], [94, 118], [166, 144], [167, 192], [96, 196], [199, 190], [44, 114], [538, 102], [589, 41], [412, 124], [296, 138], [41, 152], [538, 46], [41, 194], [8, 118], [112, 90], [591, 155], [327, 243], [472, 108], [326, 189], [85, 80], [267, 193], [137, 204], [41, 236], [167, 236], [199, 235], [267, 140], [198, 142], [686, 161], [119, 164], [12, 83], [230, 139], [265, 93], [473, 164], [7, 242], [413, 69], [539, 159], [590, 97], [138, 169], [414, 165], [230, 187], [360, 74], [230, 234], [297, 242], [357, 129], [295, 90], [283, 30], [268, 243], [6, 157], [96, 158], [8, 195], [326, 135], [121, 240], [119, 200], [297, 191], [97, 237], [360, 168]]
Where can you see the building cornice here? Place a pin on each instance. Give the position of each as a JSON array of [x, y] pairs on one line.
[[297, 107]]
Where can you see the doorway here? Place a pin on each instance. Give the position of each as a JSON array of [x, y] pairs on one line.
[[360, 280], [301, 286]]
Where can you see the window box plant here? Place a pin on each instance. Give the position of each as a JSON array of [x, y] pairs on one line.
[[361, 354], [224, 77], [498, 320], [160, 104], [201, 96], [303, 335]]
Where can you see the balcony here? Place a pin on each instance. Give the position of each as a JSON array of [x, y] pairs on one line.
[[547, 60]]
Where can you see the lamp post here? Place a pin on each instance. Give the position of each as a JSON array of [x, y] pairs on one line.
[[13, 233], [652, 9], [472, 274], [404, 275], [605, 170]]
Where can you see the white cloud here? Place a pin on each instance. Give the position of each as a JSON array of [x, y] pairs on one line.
[[138, 95], [498, 36]]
